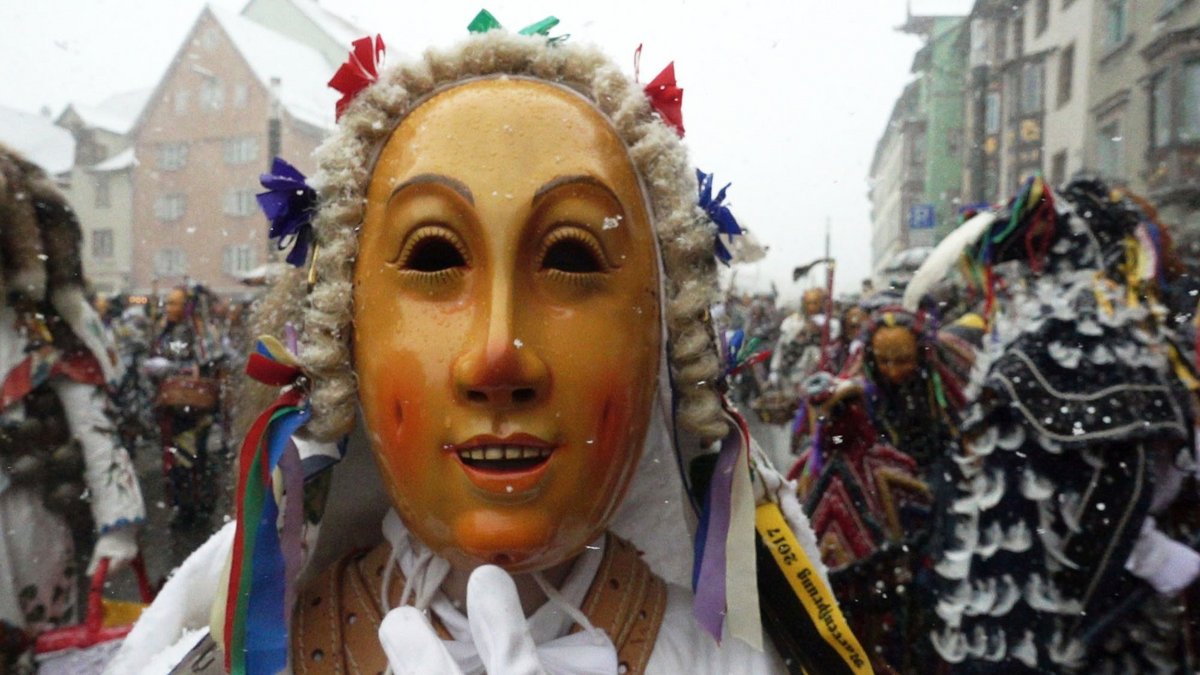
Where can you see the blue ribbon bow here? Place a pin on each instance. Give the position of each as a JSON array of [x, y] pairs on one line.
[[289, 203], [719, 213]]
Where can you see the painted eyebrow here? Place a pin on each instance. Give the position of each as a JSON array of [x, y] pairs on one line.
[[572, 180], [437, 178]]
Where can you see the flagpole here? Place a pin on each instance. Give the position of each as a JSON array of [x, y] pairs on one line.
[[829, 271]]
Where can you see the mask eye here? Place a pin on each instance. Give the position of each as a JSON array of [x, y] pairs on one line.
[[431, 249], [572, 250]]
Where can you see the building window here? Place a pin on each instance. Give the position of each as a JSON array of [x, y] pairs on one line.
[[102, 243], [169, 208], [1018, 37], [170, 262], [241, 95], [239, 258], [212, 94], [181, 101], [172, 156], [1108, 149], [241, 150], [1058, 169], [1116, 21], [1031, 88], [239, 203], [103, 190], [918, 147], [1066, 71], [1189, 125], [1041, 17], [991, 113], [1160, 111], [1001, 40]]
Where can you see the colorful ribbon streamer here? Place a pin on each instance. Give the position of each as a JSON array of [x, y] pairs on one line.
[[256, 611], [724, 566]]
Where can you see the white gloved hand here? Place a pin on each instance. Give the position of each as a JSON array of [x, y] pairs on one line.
[[500, 634], [498, 623], [119, 546], [156, 365], [412, 647], [1167, 565], [498, 629]]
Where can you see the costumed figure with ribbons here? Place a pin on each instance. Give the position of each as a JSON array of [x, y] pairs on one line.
[[809, 342], [495, 448], [184, 362], [1078, 439], [869, 510], [65, 480], [854, 318], [798, 353], [879, 443], [914, 374]]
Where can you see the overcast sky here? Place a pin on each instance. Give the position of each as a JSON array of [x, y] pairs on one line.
[[784, 98]]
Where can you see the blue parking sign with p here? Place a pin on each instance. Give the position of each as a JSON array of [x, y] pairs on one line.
[[922, 217]]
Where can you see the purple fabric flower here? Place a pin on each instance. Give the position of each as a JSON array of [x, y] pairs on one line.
[[289, 203]]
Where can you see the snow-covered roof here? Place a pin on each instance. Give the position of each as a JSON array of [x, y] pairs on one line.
[[338, 28], [121, 160], [117, 113], [302, 71], [38, 139]]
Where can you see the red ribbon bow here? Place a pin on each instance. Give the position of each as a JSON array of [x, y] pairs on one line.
[[667, 97], [359, 70]]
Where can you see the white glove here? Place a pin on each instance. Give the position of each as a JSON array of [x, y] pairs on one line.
[[156, 365], [119, 546], [500, 632], [412, 647], [1167, 565]]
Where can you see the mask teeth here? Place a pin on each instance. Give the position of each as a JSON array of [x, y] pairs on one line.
[[503, 452]]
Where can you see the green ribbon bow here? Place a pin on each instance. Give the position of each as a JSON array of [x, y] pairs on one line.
[[484, 22]]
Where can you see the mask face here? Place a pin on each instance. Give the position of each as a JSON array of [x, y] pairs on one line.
[[813, 302], [853, 321], [174, 306], [506, 319], [895, 351]]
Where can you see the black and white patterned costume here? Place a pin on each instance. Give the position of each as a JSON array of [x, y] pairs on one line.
[[1078, 415]]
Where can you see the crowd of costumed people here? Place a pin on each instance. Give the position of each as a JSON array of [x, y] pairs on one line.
[[500, 416]]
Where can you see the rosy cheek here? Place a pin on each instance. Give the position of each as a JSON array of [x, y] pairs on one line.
[[393, 399]]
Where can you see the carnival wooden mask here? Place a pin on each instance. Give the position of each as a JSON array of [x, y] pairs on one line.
[[852, 321], [895, 353], [506, 317], [175, 305], [813, 302]]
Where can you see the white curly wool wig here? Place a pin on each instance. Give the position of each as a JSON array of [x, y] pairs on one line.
[[346, 162]]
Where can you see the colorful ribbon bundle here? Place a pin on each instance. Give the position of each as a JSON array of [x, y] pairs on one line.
[[264, 565], [1034, 203], [724, 568], [741, 353]]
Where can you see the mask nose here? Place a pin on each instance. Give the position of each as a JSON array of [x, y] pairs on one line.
[[498, 370]]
